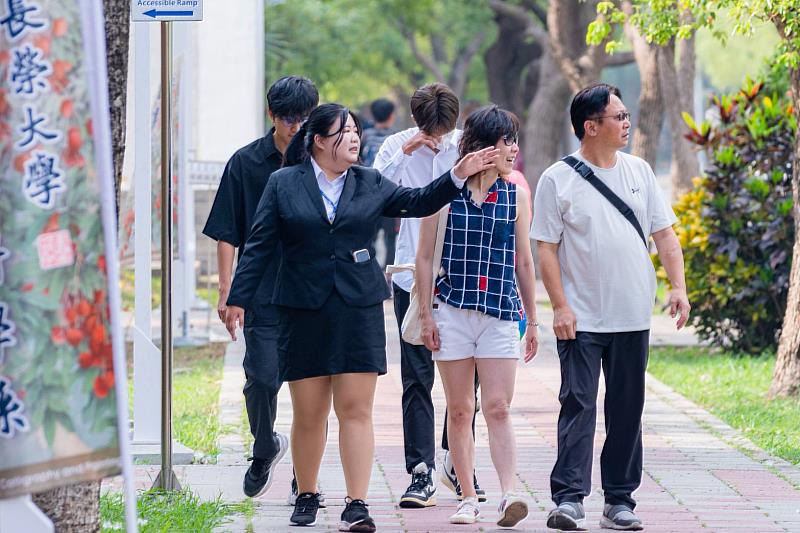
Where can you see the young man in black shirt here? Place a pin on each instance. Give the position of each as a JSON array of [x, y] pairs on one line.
[[289, 101]]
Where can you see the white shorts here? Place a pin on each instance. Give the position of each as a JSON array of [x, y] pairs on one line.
[[464, 333]]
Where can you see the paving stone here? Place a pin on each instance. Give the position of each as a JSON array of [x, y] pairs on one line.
[[694, 480]]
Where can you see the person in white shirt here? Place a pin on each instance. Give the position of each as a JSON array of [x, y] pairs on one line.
[[413, 158], [596, 267]]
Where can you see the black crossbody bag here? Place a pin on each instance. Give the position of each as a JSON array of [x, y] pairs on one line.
[[588, 174]]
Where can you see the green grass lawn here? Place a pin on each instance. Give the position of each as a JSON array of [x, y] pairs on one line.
[[197, 377], [180, 511], [734, 388], [196, 381]]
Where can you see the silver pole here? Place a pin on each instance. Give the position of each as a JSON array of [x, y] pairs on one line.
[[166, 479]]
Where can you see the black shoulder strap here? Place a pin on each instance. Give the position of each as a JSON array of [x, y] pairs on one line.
[[615, 200]]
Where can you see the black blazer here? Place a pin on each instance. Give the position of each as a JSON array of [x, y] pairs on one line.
[[316, 254]]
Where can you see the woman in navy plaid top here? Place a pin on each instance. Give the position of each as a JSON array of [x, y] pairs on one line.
[[482, 285]]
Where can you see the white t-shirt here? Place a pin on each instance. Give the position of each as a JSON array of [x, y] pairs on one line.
[[416, 170], [608, 276]]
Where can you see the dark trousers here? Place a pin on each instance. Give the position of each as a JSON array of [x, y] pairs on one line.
[[261, 388], [417, 371], [623, 358], [389, 227]]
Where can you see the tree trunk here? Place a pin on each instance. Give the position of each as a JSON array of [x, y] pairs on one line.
[[685, 164], [566, 23], [513, 61], [117, 26], [76, 508], [542, 128], [651, 105], [786, 378]]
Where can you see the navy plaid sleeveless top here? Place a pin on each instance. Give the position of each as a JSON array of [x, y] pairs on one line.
[[479, 254]]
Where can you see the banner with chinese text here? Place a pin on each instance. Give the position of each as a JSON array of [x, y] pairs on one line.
[[58, 403]]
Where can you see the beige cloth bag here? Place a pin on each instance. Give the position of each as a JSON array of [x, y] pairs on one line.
[[411, 329]]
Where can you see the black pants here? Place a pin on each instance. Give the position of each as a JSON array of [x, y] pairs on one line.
[[417, 370], [261, 388], [623, 358], [389, 227]]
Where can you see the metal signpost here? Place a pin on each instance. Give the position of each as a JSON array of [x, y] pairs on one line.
[[164, 11]]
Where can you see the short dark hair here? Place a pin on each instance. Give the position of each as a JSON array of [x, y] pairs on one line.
[[435, 108], [485, 127], [292, 97], [319, 122], [381, 109], [588, 103]]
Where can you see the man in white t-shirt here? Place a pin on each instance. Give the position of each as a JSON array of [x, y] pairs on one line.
[[601, 282], [414, 158]]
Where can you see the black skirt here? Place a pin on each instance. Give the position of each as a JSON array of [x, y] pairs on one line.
[[335, 339]]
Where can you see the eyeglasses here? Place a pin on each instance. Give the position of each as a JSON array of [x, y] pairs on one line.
[[291, 121], [510, 139], [621, 116]]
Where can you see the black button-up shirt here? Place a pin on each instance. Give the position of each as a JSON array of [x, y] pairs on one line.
[[231, 217]]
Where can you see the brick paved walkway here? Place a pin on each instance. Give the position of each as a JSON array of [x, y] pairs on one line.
[[700, 475]]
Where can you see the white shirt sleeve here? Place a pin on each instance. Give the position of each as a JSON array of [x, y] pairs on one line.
[[548, 225], [661, 214], [458, 182], [391, 160]]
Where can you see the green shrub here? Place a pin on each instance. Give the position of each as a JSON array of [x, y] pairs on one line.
[[736, 225]]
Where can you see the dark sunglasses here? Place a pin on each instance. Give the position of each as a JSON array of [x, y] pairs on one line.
[[510, 139]]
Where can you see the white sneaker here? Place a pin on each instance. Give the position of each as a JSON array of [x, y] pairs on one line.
[[468, 512], [513, 510]]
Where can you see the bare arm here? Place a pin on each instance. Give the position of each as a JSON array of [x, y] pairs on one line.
[[423, 278], [671, 255], [564, 321], [526, 275], [225, 255]]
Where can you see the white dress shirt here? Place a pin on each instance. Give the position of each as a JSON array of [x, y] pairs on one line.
[[331, 191], [416, 170]]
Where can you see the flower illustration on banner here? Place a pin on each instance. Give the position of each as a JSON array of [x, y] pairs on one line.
[[12, 419], [55, 281]]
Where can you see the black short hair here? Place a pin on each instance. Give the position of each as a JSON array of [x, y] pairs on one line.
[[485, 126], [590, 102], [381, 109], [292, 97]]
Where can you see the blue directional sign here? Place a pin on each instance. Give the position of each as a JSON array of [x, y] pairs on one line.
[[163, 10]]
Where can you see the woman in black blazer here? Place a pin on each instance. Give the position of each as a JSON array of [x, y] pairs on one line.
[[323, 212]]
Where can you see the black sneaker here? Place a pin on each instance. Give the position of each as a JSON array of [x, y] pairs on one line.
[[479, 492], [292, 498], [450, 480], [355, 517], [259, 476], [305, 510], [421, 493]]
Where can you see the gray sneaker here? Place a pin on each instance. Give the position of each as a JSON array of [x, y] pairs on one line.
[[568, 516], [620, 517]]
